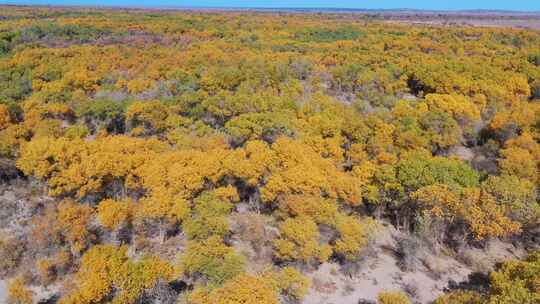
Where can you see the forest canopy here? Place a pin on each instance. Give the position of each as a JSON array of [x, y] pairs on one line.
[[211, 157]]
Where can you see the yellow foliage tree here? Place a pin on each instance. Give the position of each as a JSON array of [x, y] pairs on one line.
[[45, 271], [521, 157], [460, 297], [210, 212], [460, 107], [244, 289], [86, 167], [162, 207], [288, 175], [74, 220], [149, 115], [292, 283], [251, 163], [353, 236], [264, 288], [105, 269], [18, 293], [473, 206], [5, 117], [112, 214], [322, 211], [183, 172], [299, 240], [393, 297]]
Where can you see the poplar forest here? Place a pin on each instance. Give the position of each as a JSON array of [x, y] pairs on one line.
[[243, 157]]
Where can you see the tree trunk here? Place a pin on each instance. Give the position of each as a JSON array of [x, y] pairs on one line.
[[162, 232]]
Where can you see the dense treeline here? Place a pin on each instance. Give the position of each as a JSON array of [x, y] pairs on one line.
[[230, 153]]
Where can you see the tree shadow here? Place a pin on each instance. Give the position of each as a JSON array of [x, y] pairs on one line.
[[476, 281]]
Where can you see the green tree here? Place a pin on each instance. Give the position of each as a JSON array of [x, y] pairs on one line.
[[211, 260]]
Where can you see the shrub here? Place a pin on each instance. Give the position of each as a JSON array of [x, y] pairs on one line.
[[328, 35], [300, 241], [18, 293], [419, 169], [393, 297], [11, 251], [460, 297], [212, 260]]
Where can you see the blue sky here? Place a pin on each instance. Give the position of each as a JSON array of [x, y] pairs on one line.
[[524, 5]]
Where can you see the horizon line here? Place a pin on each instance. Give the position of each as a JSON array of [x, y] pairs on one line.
[[267, 8]]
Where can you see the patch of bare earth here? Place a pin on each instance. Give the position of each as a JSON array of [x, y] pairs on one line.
[[382, 270]]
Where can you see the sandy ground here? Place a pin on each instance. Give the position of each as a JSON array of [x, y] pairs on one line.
[[15, 211], [3, 291], [380, 272]]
